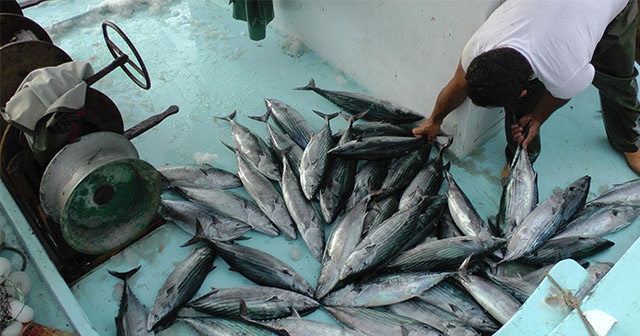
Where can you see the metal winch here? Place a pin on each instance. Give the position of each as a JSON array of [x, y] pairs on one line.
[[64, 153]]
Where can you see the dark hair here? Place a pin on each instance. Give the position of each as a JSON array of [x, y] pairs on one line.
[[497, 77]]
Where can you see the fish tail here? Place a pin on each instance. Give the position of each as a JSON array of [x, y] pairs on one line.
[[309, 87], [326, 116], [125, 275], [263, 118], [229, 117]]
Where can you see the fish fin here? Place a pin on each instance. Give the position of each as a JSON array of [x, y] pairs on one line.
[[125, 275], [294, 312], [404, 331], [198, 236], [462, 270], [244, 311], [309, 87], [228, 146]]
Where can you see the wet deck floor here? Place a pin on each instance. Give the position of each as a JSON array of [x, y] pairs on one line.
[[202, 60]]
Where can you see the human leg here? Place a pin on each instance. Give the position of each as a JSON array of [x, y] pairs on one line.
[[614, 61]]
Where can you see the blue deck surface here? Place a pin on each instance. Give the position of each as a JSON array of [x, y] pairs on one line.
[[202, 60]]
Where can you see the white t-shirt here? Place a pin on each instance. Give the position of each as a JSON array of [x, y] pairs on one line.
[[557, 37]]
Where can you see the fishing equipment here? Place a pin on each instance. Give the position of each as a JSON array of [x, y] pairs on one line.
[[69, 162]]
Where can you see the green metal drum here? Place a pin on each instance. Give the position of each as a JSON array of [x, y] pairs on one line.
[[101, 193]]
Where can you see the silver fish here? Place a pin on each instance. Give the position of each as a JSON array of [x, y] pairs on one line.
[[198, 176], [546, 218], [315, 159], [519, 194], [379, 147], [263, 268], [375, 322], [296, 326], [462, 211], [302, 212], [446, 323], [384, 290], [383, 242], [376, 128], [425, 226], [495, 300], [443, 253], [457, 301], [571, 247], [289, 120], [354, 103], [379, 211], [219, 326], [446, 227], [403, 169], [338, 181], [266, 196], [262, 302], [600, 219], [232, 205], [344, 237], [516, 286], [369, 177], [180, 286], [627, 193], [285, 147], [132, 314], [185, 213], [427, 181], [254, 149]]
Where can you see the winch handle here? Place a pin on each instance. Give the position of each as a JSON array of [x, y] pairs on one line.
[[121, 59], [150, 122]]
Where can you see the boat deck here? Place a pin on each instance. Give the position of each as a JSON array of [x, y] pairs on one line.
[[202, 60]]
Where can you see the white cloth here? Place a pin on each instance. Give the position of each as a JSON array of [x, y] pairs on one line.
[[46, 90], [557, 37]]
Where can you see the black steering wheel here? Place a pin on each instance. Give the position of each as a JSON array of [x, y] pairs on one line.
[[122, 59]]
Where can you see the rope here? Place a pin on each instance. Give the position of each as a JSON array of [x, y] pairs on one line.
[[5, 318], [572, 302]]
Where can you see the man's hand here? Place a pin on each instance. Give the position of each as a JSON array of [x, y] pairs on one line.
[[428, 129], [525, 130]]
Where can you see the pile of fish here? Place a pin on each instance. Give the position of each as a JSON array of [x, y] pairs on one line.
[[404, 253]]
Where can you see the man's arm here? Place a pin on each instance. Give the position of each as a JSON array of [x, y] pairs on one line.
[[450, 97], [546, 106]]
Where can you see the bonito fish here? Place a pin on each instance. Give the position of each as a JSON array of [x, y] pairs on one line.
[[547, 217], [354, 103], [266, 196], [180, 286], [198, 176], [254, 149], [263, 268], [231, 205], [315, 158], [289, 120], [304, 215], [132, 314]]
